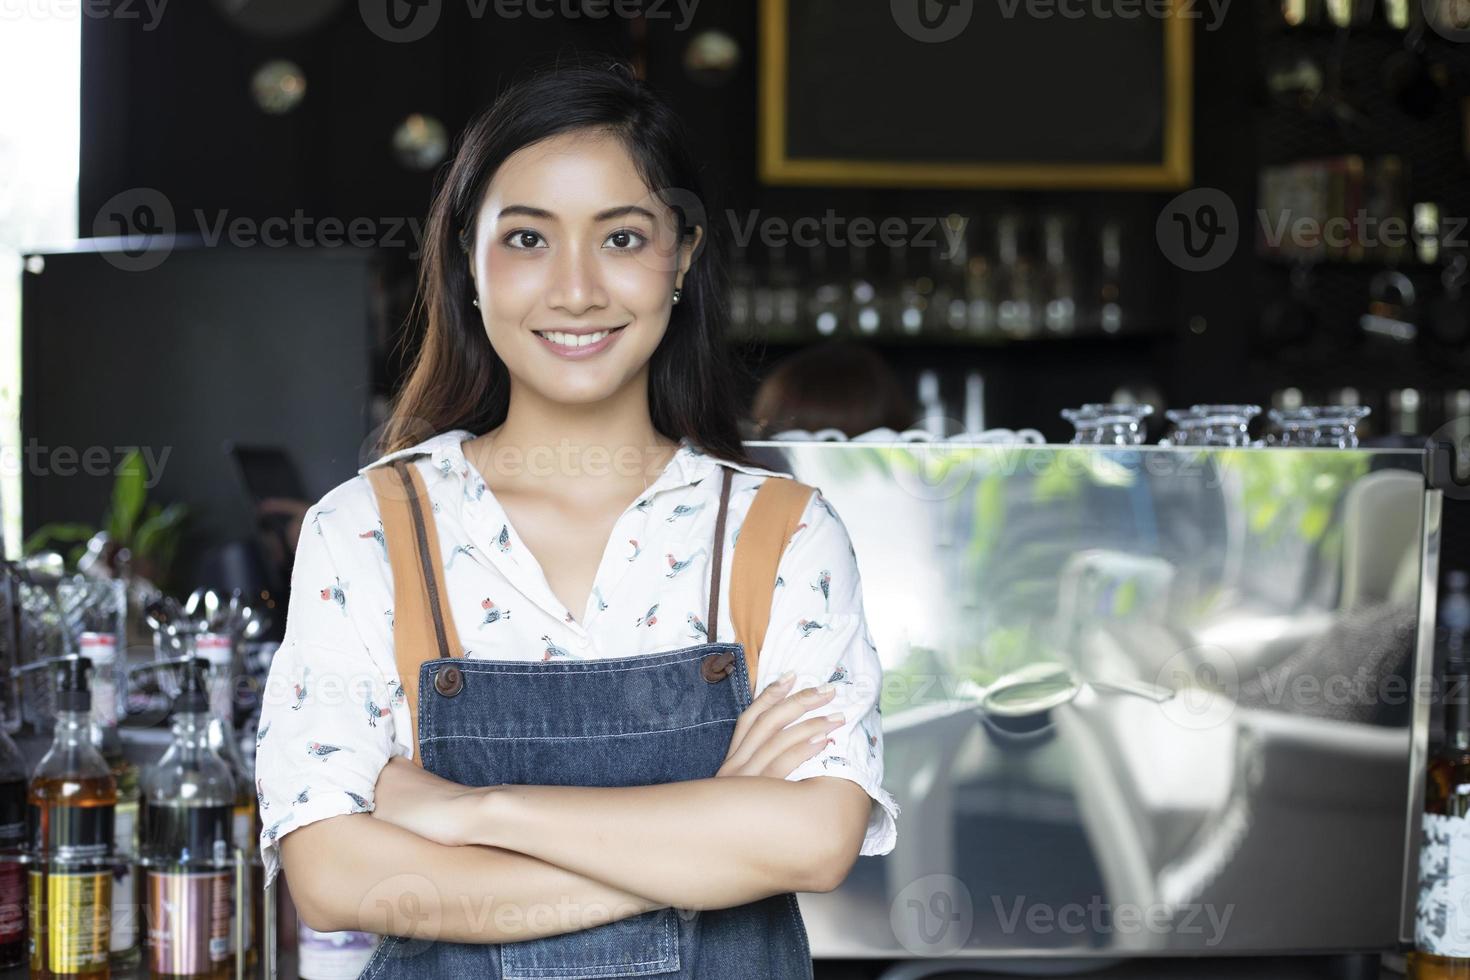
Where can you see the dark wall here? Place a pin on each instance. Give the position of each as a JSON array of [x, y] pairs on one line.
[[170, 109]]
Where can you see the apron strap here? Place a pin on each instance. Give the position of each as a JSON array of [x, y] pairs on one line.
[[712, 621], [423, 628], [769, 524]]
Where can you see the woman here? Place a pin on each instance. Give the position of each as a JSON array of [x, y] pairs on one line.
[[575, 396]]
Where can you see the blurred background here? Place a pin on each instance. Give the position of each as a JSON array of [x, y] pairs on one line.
[[943, 219]]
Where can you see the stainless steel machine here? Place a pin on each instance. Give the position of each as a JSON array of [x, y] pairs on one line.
[[1138, 701]]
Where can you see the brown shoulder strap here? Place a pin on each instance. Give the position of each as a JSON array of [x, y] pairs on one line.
[[717, 557], [423, 628], [769, 524]]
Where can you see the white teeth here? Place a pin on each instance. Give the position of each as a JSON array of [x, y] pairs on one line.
[[573, 339]]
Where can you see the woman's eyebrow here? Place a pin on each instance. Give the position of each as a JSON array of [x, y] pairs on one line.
[[607, 215]]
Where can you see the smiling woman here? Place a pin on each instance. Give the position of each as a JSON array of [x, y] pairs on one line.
[[534, 603]]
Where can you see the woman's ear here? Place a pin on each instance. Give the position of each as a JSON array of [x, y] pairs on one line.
[[687, 250]]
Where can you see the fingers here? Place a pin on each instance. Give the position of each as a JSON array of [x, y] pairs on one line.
[[767, 698], [793, 745], [773, 717]]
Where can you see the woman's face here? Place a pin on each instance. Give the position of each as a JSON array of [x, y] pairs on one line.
[[570, 244]]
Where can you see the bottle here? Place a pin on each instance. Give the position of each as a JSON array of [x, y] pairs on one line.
[[187, 841], [827, 302], [101, 648], [1017, 310], [1110, 310], [948, 307], [907, 300], [331, 955], [13, 778], [71, 808], [1442, 923], [1060, 294], [866, 313], [217, 658]]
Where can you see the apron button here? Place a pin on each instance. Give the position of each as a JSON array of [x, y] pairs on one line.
[[717, 666], [449, 681]]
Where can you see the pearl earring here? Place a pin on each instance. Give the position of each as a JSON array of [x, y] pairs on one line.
[[676, 294], [476, 301]]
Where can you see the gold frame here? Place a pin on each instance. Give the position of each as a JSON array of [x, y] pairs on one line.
[[1175, 170]]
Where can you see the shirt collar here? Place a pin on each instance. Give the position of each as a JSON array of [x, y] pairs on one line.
[[445, 452], [688, 466]]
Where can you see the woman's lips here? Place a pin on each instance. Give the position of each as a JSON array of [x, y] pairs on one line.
[[585, 350]]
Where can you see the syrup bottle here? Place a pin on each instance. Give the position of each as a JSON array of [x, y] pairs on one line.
[[71, 801], [188, 799]]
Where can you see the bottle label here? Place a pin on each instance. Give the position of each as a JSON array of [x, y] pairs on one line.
[[218, 650], [124, 885], [70, 920], [101, 648], [72, 832], [332, 955], [12, 901], [187, 833], [1442, 922], [188, 920]]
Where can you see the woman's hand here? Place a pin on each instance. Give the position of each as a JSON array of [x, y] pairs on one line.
[[438, 809], [765, 742]]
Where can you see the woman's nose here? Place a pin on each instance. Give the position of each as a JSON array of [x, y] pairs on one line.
[[577, 283]]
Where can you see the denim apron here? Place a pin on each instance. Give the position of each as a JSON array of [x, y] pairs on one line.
[[627, 721]]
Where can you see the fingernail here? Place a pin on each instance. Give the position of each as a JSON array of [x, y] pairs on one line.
[[826, 689], [786, 678], [837, 717]]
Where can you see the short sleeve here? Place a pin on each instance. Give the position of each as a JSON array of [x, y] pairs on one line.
[[818, 630], [326, 721]]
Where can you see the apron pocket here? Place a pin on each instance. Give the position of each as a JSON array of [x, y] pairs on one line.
[[638, 946]]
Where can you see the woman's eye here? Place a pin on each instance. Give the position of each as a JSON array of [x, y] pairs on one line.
[[620, 239], [521, 237]]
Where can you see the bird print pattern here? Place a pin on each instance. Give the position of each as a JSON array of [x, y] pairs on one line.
[[656, 560]]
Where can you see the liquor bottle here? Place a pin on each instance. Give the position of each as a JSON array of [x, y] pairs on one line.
[[13, 778], [1442, 922], [186, 831], [1060, 284], [948, 305], [979, 297], [866, 313], [785, 282], [827, 301], [907, 299], [126, 946], [217, 659], [71, 801], [1017, 308], [1110, 310]]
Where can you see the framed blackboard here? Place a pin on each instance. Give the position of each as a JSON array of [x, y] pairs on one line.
[[977, 93]]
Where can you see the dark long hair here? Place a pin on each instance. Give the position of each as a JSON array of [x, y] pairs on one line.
[[457, 380]]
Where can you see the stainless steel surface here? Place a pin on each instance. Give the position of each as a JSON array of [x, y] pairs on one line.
[[1419, 745], [1264, 802]]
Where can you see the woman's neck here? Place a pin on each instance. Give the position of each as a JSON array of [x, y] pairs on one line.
[[512, 457]]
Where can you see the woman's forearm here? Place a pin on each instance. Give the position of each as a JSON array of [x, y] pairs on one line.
[[697, 844], [353, 872]]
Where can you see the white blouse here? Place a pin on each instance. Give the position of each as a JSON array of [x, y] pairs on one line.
[[333, 711]]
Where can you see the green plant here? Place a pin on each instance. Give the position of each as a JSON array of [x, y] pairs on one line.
[[150, 532]]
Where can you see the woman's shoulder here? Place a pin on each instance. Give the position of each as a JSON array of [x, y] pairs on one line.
[[356, 498]]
